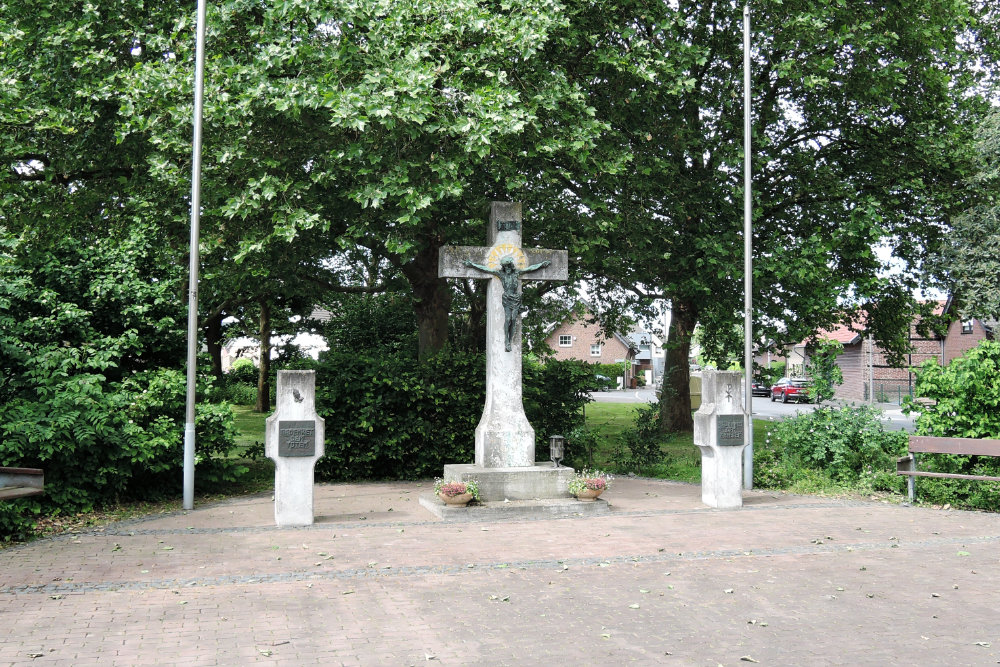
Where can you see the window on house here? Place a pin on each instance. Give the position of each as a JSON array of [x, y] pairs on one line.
[[565, 340], [595, 350], [966, 326]]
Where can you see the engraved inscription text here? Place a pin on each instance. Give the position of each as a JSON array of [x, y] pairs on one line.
[[296, 438], [729, 430]]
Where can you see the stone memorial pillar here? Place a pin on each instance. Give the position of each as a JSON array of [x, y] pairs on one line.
[[294, 439], [718, 433]]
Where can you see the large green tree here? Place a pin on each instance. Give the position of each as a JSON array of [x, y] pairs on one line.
[[969, 257], [862, 115], [387, 126], [382, 128]]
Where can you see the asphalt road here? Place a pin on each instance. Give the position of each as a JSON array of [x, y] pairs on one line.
[[763, 408]]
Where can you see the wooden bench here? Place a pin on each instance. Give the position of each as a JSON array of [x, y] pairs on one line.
[[922, 444], [21, 482]]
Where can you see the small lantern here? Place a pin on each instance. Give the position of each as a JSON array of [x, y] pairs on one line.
[[557, 447]]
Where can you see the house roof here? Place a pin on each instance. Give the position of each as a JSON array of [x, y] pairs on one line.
[[841, 333]]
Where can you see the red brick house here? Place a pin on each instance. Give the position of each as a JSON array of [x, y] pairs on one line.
[[865, 365], [579, 337]]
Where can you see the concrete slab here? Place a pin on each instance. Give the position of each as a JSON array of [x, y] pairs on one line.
[[511, 510], [380, 580], [542, 480]]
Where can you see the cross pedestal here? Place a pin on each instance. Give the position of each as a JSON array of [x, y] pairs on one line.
[[294, 440], [718, 433], [505, 442]]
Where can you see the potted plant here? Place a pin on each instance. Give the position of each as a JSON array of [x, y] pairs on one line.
[[456, 493], [586, 485]]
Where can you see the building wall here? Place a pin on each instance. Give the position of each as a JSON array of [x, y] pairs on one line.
[[852, 365], [894, 382], [584, 335], [957, 343]]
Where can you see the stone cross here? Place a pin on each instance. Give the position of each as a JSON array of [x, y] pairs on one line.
[[718, 433], [294, 440], [504, 438]]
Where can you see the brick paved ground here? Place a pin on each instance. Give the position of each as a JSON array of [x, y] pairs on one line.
[[379, 581]]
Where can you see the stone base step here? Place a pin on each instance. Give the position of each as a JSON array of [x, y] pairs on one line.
[[542, 508], [543, 480]]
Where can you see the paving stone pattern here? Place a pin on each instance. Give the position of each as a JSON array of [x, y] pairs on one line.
[[785, 580]]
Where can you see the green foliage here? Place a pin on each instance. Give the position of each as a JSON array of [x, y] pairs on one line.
[[773, 372], [847, 446], [240, 393], [17, 518], [372, 324], [82, 392], [966, 396], [823, 370], [243, 370], [395, 418], [862, 117], [239, 384], [641, 445], [582, 443], [612, 371], [554, 395], [969, 256], [389, 417]]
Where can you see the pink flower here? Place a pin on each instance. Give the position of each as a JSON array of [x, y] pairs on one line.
[[452, 489], [595, 483]]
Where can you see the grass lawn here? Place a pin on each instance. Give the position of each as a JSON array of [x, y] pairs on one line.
[[250, 425], [682, 459]]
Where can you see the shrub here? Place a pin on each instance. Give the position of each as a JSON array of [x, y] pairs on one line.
[[845, 445], [396, 418], [641, 445], [88, 330], [554, 396], [402, 419], [966, 396], [612, 371], [240, 393], [372, 324], [242, 371], [581, 445]]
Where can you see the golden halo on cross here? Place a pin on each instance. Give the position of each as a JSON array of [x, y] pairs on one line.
[[506, 250]]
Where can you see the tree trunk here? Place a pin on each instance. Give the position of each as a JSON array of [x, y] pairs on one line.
[[213, 340], [675, 399], [431, 301], [475, 330], [264, 374]]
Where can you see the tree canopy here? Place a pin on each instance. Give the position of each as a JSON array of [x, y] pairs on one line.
[[345, 142], [969, 257], [862, 114]]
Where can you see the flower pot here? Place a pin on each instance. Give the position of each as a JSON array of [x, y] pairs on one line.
[[461, 500], [589, 495]]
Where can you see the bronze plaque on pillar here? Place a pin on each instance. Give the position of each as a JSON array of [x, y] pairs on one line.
[[296, 438], [729, 430]]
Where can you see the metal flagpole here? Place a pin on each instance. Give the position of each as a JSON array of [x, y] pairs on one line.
[[747, 259], [192, 350]]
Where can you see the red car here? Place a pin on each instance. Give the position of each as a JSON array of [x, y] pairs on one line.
[[791, 389]]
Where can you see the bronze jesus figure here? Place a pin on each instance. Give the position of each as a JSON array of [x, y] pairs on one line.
[[510, 278]]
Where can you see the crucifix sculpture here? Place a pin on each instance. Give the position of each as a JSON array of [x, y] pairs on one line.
[[504, 438], [510, 278]]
